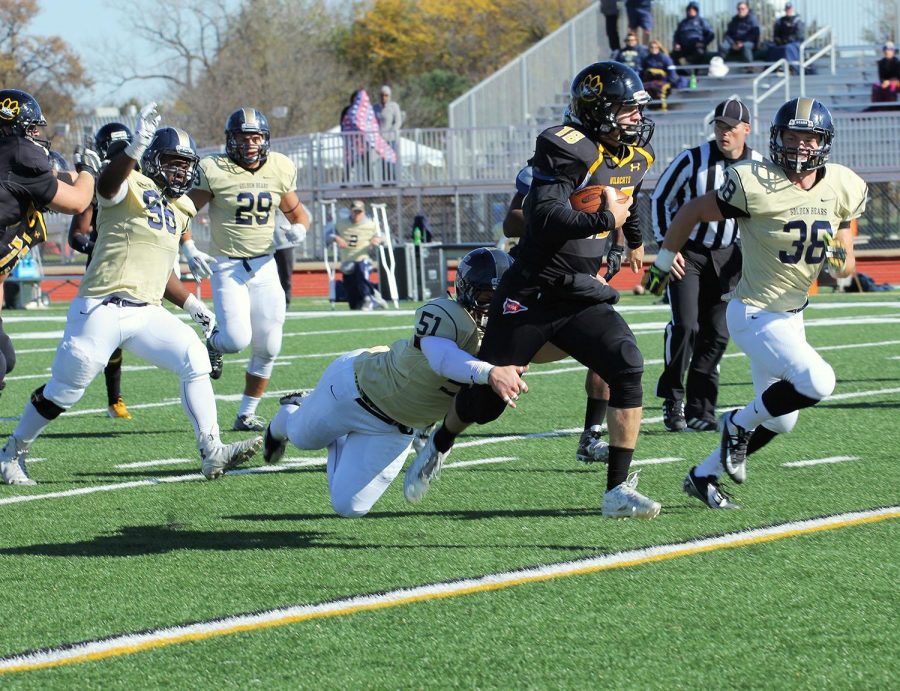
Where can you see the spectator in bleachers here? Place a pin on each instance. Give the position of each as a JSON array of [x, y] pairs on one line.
[[788, 33], [691, 38], [885, 90], [658, 74], [640, 16], [610, 11], [631, 54], [741, 36]]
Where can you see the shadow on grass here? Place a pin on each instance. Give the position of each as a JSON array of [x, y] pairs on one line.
[[457, 515]]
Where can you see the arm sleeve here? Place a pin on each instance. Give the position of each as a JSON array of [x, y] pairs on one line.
[[557, 172], [450, 361], [634, 238], [31, 176], [669, 193]]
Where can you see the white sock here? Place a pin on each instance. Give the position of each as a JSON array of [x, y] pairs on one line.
[[711, 466], [30, 426], [199, 404], [278, 427], [753, 414], [248, 405]]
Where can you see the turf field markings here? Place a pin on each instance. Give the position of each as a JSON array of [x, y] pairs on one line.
[[481, 461], [131, 643], [657, 461], [153, 464], [819, 461]]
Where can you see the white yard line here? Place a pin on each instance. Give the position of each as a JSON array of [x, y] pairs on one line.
[[819, 461], [480, 461], [137, 641]]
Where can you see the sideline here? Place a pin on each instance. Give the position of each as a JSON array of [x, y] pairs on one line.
[[131, 643]]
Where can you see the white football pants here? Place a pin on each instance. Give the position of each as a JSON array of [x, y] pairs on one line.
[[365, 453], [94, 330], [250, 310], [776, 344]]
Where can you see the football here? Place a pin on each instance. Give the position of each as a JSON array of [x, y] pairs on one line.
[[591, 198]]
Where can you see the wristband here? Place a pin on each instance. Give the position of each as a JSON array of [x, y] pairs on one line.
[[665, 258], [482, 373], [191, 304], [135, 150], [189, 248]]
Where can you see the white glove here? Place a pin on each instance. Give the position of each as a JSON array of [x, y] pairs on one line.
[[197, 261], [87, 161], [201, 314], [148, 121], [295, 233]]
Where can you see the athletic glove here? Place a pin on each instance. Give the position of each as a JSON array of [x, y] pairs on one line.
[[201, 314], [87, 160], [614, 261], [197, 261], [148, 121], [655, 280], [835, 254], [295, 233]]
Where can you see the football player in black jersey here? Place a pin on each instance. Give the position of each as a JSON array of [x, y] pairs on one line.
[[109, 140], [552, 293], [28, 186]]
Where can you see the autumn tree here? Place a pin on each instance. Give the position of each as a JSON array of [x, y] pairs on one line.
[[44, 66], [404, 41]]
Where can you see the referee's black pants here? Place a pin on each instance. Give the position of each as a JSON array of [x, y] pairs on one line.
[[696, 337]]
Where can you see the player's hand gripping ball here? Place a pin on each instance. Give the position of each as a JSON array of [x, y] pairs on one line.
[[591, 199]]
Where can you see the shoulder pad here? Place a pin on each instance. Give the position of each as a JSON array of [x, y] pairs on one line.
[[444, 318]]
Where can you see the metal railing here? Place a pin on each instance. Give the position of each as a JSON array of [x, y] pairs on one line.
[[783, 81], [828, 48]]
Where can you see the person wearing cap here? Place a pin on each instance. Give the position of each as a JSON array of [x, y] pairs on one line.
[[742, 35], [696, 337], [888, 76], [788, 33], [357, 238], [692, 35], [390, 117]]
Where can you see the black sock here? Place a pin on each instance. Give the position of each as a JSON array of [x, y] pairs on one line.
[[443, 439], [617, 469], [760, 437], [113, 374], [595, 412], [782, 398]]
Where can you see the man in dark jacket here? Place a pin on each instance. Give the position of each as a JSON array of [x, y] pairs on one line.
[[742, 35], [691, 38], [788, 33]]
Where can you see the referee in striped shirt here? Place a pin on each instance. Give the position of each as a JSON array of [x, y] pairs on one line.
[[696, 337]]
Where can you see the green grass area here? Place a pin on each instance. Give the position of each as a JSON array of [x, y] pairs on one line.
[[803, 612]]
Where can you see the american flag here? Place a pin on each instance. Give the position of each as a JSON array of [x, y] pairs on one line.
[[360, 117]]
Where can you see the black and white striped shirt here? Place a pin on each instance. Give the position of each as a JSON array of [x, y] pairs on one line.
[[693, 173]]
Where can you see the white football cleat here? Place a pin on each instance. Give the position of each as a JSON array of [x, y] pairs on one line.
[[12, 464], [624, 501], [219, 457], [425, 469]]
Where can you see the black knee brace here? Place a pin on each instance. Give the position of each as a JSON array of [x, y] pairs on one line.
[[47, 409], [478, 404], [625, 391]]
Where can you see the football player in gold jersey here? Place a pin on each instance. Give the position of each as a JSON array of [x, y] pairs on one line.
[[244, 187], [794, 214], [142, 216], [368, 402]]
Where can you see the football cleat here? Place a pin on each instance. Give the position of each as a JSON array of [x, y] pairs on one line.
[[12, 465], [673, 415], [216, 363], [420, 438], [295, 397], [707, 490], [220, 457], [378, 302], [591, 447], [624, 501], [733, 448], [118, 410], [273, 449], [425, 469], [698, 424], [248, 422]]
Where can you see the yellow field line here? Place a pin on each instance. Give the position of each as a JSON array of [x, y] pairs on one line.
[[59, 656]]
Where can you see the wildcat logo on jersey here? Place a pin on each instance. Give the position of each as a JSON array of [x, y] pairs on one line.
[[513, 307]]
